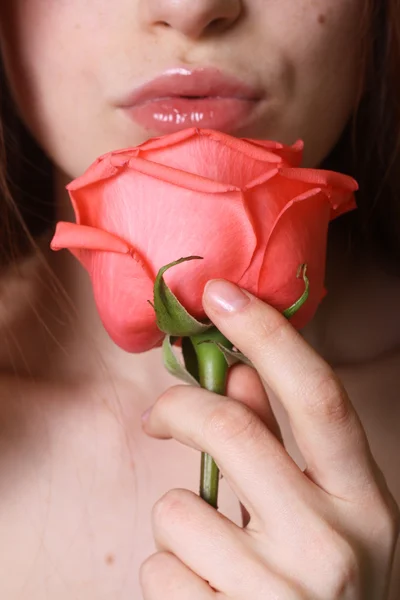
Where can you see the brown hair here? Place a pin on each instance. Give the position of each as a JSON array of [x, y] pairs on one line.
[[369, 150], [26, 206]]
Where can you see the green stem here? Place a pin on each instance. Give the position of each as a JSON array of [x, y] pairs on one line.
[[213, 370]]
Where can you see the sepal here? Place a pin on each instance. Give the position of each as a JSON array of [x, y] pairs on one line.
[[172, 318], [190, 358], [173, 364], [233, 356]]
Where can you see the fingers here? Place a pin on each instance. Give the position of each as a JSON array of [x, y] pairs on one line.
[[244, 384], [203, 538], [214, 549], [163, 575], [327, 429], [248, 454]]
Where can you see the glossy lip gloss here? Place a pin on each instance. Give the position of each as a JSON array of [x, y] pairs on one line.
[[203, 97]]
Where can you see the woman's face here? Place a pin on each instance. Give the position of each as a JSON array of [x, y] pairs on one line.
[[74, 66]]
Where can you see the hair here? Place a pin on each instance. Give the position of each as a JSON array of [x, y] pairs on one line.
[[26, 183], [369, 151]]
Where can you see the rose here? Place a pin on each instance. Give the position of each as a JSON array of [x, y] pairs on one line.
[[243, 205]]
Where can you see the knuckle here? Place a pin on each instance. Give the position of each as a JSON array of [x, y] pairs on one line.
[[387, 520], [169, 507], [266, 582], [394, 514], [380, 502], [231, 421], [170, 394], [389, 507], [344, 569], [273, 329], [150, 569], [328, 398]]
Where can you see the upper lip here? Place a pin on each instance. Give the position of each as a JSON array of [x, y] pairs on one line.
[[200, 82]]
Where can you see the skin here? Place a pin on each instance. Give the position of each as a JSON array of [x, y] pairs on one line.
[[65, 55], [341, 483], [68, 62]]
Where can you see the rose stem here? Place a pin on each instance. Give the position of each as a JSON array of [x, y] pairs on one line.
[[213, 371]]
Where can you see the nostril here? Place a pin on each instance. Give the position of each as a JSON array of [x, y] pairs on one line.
[[215, 24], [219, 25], [218, 22], [197, 19]]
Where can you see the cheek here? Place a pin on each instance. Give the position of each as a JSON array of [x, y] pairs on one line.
[[62, 58], [38, 44], [311, 23], [34, 36], [330, 41], [51, 52], [324, 53]]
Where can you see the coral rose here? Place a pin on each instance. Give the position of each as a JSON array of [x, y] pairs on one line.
[[245, 206]]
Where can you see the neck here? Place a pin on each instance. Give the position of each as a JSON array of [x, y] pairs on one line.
[[54, 330]]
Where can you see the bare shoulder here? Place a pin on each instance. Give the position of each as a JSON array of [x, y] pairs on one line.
[[31, 412], [78, 479], [27, 395], [69, 496], [42, 422]]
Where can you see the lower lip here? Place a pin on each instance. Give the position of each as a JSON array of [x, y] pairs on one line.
[[166, 115]]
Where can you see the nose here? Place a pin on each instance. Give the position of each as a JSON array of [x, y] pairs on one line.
[[194, 18]]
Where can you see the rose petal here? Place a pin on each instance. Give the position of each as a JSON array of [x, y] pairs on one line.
[[265, 201], [122, 289], [72, 235], [299, 236], [246, 146], [165, 222], [292, 155], [100, 170], [213, 155], [190, 181], [121, 284], [339, 188], [320, 177], [168, 141]]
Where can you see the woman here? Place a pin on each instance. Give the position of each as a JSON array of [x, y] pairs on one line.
[[77, 471]]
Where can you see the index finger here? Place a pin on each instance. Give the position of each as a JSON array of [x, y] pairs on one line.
[[327, 429]]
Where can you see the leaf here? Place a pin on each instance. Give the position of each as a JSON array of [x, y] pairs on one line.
[[172, 363], [172, 318]]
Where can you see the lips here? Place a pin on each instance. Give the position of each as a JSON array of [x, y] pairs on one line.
[[203, 98]]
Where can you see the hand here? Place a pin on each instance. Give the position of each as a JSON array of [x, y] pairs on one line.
[[327, 533]]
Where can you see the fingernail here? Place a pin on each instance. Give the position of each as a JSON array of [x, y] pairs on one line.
[[225, 296], [146, 414]]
